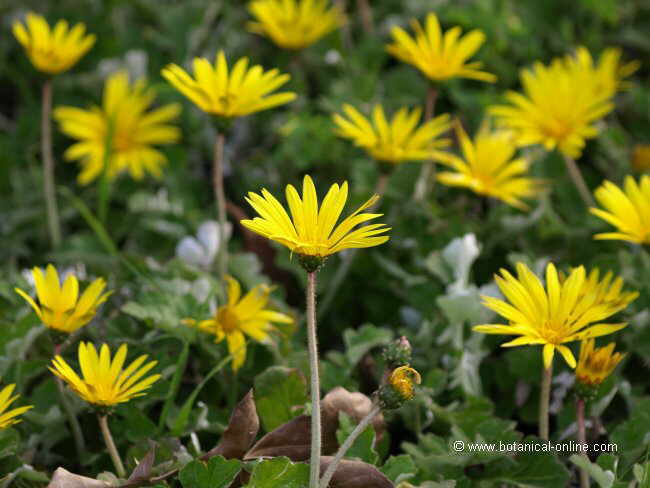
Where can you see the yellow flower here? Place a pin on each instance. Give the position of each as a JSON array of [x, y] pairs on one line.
[[55, 50], [9, 418], [559, 107], [395, 142], [105, 382], [596, 364], [242, 316], [132, 129], [627, 209], [60, 307], [566, 310], [607, 76], [488, 167], [440, 56], [294, 24], [403, 380], [310, 231], [239, 92], [641, 157]]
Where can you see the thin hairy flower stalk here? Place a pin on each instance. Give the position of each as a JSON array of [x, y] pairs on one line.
[[348, 258], [428, 170], [77, 434], [312, 347], [346, 36], [579, 181], [53, 223], [582, 439], [110, 445], [544, 400], [358, 430], [365, 11], [217, 182]]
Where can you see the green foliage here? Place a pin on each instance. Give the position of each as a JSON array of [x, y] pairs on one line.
[[216, 473], [279, 473], [279, 394]]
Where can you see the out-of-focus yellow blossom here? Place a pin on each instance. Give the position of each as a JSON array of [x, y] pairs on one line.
[[558, 109], [60, 307], [605, 77], [55, 50], [228, 94], [440, 56], [242, 316], [105, 383], [488, 167], [126, 120], [641, 157], [10, 417], [566, 310], [595, 364], [403, 380], [627, 209], [396, 141], [311, 231], [294, 24]]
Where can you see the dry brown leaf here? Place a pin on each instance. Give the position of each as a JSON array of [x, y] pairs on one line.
[[355, 474], [65, 479]]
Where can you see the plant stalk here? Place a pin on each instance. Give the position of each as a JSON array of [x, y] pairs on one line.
[[582, 439], [77, 434], [358, 430], [175, 384], [578, 181], [53, 223], [217, 182], [544, 401], [365, 11], [428, 170], [312, 346], [110, 445]]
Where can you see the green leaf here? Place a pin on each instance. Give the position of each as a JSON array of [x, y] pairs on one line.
[[605, 479], [399, 468], [632, 436], [9, 442], [279, 473], [217, 473], [363, 447], [359, 342], [279, 394]]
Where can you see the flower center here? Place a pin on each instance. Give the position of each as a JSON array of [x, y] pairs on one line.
[[122, 141], [553, 332], [227, 319]]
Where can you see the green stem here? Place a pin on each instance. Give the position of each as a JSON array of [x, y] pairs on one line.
[[312, 347], [110, 445], [582, 439], [217, 182], [578, 181], [77, 434], [53, 223], [358, 430], [427, 172], [365, 11], [544, 401], [175, 384]]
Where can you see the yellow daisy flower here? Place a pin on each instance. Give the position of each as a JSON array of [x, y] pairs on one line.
[[60, 307], [55, 50], [403, 380], [239, 92], [595, 364], [9, 418], [310, 231], [641, 157], [559, 107], [606, 77], [563, 311], [240, 317], [396, 141], [105, 382], [440, 56], [125, 119], [627, 209], [488, 167], [294, 24]]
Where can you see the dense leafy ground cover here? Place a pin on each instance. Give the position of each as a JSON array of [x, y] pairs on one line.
[[425, 283]]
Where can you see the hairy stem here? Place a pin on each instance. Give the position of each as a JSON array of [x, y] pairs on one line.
[[428, 170], [544, 400], [578, 181], [110, 445], [312, 346], [365, 11], [53, 223], [582, 439], [358, 430], [217, 182]]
